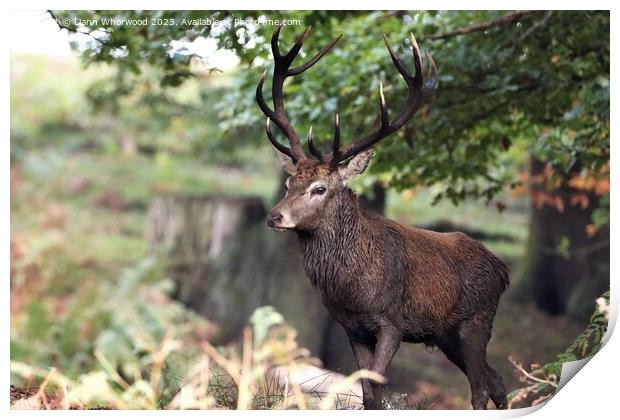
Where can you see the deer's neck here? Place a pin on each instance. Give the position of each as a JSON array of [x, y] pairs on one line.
[[330, 253]]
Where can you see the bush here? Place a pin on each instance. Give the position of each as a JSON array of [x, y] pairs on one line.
[[543, 380]]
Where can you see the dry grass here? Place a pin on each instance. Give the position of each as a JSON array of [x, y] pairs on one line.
[[217, 379]]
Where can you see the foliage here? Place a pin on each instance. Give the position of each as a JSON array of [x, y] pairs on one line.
[[537, 83], [212, 378], [543, 380], [126, 321]]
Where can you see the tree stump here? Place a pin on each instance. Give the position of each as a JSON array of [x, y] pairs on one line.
[[225, 263]]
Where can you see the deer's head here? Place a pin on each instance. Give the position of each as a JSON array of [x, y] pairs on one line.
[[315, 184]]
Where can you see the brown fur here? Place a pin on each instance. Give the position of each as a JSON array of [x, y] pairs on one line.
[[386, 283]]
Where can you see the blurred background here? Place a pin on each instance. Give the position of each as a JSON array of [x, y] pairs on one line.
[[141, 176]]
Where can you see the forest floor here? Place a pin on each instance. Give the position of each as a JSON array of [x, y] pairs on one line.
[[424, 378], [421, 377]]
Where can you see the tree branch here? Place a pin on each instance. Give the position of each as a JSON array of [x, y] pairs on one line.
[[536, 25], [500, 21], [75, 31]]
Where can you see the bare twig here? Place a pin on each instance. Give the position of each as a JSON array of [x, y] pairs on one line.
[[500, 21], [244, 397], [217, 357], [41, 392], [338, 387], [159, 356], [75, 31], [107, 366], [529, 375], [536, 25]]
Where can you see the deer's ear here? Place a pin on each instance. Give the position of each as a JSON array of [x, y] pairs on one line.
[[286, 162], [355, 166]]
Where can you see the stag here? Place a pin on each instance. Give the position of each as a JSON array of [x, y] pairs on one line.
[[383, 282]]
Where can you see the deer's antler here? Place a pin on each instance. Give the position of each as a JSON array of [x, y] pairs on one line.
[[419, 90], [282, 70]]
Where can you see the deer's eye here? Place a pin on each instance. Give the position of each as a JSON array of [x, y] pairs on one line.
[[319, 191]]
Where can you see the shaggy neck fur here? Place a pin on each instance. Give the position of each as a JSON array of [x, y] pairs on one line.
[[333, 248]]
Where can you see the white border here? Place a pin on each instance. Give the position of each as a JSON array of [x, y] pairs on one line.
[[591, 394]]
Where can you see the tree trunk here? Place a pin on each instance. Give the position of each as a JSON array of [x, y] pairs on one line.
[[566, 269], [225, 263], [375, 200]]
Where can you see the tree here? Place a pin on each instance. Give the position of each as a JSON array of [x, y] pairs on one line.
[[513, 86]]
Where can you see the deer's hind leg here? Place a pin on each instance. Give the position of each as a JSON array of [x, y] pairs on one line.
[[496, 388], [466, 348]]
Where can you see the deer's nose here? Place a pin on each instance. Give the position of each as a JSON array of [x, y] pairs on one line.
[[274, 218]]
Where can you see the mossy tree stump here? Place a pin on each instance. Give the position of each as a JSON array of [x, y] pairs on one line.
[[225, 263]]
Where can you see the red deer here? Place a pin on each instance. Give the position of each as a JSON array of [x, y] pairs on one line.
[[383, 282]]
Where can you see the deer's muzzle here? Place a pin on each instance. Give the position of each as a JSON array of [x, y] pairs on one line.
[[274, 220]]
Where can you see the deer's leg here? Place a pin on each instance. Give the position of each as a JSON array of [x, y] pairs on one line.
[[364, 354], [388, 341], [451, 347], [496, 387], [474, 334]]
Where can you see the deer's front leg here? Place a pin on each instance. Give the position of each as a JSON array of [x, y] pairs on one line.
[[364, 354], [388, 341]]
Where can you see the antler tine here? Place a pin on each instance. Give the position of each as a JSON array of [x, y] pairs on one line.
[[431, 83], [336, 145], [300, 69], [417, 60], [295, 152], [261, 100], [402, 69], [272, 139], [316, 152], [383, 109], [275, 41], [290, 56], [417, 92]]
